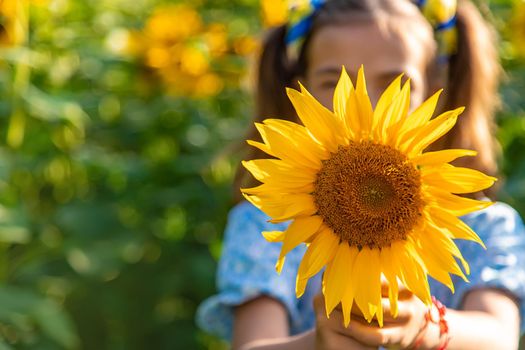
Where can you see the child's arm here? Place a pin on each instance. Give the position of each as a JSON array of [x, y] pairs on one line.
[[261, 318], [489, 320], [262, 324]]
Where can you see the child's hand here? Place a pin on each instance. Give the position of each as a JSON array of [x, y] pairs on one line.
[[331, 333], [397, 333]]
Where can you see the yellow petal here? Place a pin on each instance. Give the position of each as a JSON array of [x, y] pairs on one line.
[[273, 236], [359, 112], [438, 271], [456, 179], [298, 135], [279, 146], [457, 228], [440, 265], [278, 171], [299, 231], [341, 95], [441, 157], [347, 302], [393, 259], [454, 204], [367, 272], [353, 117], [438, 260], [413, 270], [430, 132], [319, 253], [363, 103], [337, 276], [322, 124], [440, 236], [389, 266], [262, 146], [284, 188], [284, 208], [348, 296], [418, 118], [300, 286], [396, 115], [383, 105]]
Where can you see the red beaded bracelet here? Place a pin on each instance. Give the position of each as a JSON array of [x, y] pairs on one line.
[[443, 326], [442, 322]]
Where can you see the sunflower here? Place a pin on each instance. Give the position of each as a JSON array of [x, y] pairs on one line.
[[274, 12], [363, 196], [13, 22], [516, 28]]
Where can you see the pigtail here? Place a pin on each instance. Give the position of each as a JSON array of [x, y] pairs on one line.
[[275, 73], [473, 82]]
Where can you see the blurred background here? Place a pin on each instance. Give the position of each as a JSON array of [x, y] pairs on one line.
[[119, 122]]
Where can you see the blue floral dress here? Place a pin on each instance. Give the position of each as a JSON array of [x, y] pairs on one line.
[[247, 267]]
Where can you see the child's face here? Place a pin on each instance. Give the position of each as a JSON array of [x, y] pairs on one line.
[[385, 54]]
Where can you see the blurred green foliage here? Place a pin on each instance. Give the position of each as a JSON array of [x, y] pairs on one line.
[[114, 186]]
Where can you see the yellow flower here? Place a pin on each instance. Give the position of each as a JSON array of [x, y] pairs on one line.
[[13, 22], [173, 23], [179, 83], [517, 28], [193, 61], [216, 38], [246, 45], [274, 12], [363, 196], [208, 85], [181, 50], [158, 57], [439, 11], [125, 42]]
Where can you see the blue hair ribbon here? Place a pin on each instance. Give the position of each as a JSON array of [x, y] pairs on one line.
[[299, 30], [300, 23], [446, 25]]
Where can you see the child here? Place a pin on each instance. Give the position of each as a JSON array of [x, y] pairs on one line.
[[256, 307]]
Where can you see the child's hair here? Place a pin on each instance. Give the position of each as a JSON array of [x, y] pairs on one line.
[[472, 81]]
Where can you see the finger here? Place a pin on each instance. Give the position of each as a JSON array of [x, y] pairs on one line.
[[404, 312], [318, 301], [334, 322], [373, 335], [392, 337], [368, 334], [345, 342], [331, 331], [320, 304]]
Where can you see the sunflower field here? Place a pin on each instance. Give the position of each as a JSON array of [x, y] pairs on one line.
[[119, 129]]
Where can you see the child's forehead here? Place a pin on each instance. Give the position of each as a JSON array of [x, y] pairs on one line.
[[385, 50]]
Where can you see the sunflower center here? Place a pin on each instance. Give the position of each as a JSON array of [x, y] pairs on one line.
[[375, 192], [368, 194]]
